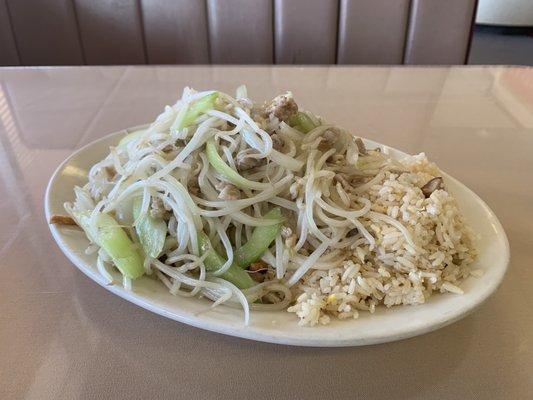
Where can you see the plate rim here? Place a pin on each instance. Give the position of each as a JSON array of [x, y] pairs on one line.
[[250, 334]]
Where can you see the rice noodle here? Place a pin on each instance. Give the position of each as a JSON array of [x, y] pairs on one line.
[[322, 182], [307, 264]]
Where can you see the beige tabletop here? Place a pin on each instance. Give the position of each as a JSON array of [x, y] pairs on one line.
[[64, 337]]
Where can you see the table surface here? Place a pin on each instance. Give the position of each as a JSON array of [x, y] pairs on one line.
[[62, 336]]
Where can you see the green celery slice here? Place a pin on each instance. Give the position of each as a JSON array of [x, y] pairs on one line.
[[301, 122], [230, 174], [130, 137], [108, 234], [199, 107], [151, 231], [214, 261], [261, 239]]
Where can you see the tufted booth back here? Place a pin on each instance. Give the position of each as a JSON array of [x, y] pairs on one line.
[[70, 32]]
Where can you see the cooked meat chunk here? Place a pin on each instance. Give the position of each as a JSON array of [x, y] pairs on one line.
[[168, 148], [245, 103], [277, 142], [258, 270], [432, 185], [329, 138], [352, 232], [227, 191], [157, 209], [361, 146], [110, 171], [62, 220], [282, 107], [193, 188], [247, 160]]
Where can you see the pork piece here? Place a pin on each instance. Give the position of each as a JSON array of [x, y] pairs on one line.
[[282, 107], [157, 208], [258, 270], [361, 146], [227, 191], [247, 159], [277, 142], [329, 138], [193, 189]]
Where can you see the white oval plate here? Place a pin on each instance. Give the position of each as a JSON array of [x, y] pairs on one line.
[[384, 325]]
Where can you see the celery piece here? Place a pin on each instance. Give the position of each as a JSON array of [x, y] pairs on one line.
[[230, 174], [298, 128], [214, 261], [130, 137], [301, 122], [261, 239], [151, 231], [107, 233], [199, 107]]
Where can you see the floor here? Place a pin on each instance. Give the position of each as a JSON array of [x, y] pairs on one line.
[[502, 45]]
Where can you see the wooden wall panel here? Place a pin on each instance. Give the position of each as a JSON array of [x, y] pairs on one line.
[[439, 31], [69, 32], [240, 31], [8, 48], [46, 32], [175, 31], [111, 31], [372, 32], [305, 31]]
